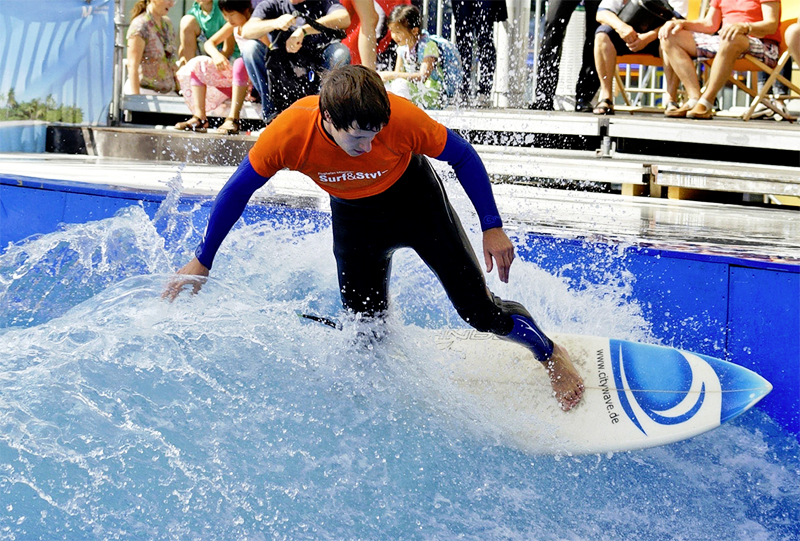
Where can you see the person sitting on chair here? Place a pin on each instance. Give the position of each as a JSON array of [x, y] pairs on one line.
[[616, 37], [730, 29], [152, 51]]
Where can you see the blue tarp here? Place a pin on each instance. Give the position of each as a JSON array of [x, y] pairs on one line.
[[59, 48]]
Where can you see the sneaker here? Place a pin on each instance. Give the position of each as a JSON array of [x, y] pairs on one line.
[[761, 111], [781, 107]]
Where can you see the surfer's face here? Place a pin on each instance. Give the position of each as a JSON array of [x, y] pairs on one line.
[[354, 141]]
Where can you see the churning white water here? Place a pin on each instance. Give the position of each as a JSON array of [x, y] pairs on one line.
[[225, 416]]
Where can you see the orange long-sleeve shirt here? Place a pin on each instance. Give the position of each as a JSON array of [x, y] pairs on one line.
[[295, 140]]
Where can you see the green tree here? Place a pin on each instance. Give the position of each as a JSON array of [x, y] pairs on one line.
[[36, 109]]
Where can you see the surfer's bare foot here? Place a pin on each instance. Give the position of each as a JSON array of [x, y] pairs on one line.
[[564, 378]]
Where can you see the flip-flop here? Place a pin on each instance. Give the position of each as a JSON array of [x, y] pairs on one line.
[[603, 107]]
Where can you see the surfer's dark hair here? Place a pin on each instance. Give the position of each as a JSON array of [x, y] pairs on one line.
[[354, 95]]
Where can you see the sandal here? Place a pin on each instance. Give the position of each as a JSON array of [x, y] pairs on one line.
[[229, 127], [604, 107], [195, 124], [671, 106]]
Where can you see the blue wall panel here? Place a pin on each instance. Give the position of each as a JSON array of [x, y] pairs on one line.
[[59, 52], [685, 300], [25, 212], [764, 335]]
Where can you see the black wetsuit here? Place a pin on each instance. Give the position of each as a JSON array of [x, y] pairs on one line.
[[415, 213]]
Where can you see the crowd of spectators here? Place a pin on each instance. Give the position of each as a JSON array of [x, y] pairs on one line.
[[274, 50]]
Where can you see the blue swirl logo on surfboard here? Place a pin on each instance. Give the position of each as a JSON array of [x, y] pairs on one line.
[[660, 387]]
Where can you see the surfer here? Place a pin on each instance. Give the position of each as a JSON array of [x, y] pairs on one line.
[[367, 149]]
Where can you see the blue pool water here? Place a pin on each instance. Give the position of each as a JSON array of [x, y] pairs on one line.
[[225, 416]]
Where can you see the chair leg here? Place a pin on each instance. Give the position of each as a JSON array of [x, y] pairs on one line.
[[621, 87], [774, 72]]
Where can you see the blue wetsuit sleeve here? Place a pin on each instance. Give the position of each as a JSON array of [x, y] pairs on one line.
[[227, 209], [472, 175]]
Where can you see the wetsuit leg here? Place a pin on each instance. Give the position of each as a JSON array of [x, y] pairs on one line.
[[416, 213], [363, 246], [437, 235]]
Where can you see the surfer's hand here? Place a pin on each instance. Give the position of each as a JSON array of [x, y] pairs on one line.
[[567, 384], [193, 273], [498, 247]]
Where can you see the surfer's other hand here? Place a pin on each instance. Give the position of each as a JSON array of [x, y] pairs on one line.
[[564, 378], [193, 273], [497, 245]]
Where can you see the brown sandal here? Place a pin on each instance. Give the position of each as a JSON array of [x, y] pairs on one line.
[[229, 127], [195, 124]]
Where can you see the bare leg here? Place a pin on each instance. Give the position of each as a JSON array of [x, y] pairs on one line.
[[198, 122], [672, 80], [679, 52], [605, 60], [199, 99], [722, 67], [567, 384], [237, 101], [792, 38], [231, 124]]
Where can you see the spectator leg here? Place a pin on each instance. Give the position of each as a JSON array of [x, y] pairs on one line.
[[605, 58], [487, 55], [679, 50], [722, 67], [588, 83], [254, 54], [559, 13], [465, 41]]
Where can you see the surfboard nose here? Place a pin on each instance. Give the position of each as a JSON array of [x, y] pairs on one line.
[[741, 389]]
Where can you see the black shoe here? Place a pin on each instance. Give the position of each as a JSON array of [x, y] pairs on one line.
[[583, 107], [541, 105]]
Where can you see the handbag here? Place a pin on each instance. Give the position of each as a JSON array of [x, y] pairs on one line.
[[646, 15]]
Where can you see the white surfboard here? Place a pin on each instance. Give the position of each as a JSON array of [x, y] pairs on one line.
[[637, 395]]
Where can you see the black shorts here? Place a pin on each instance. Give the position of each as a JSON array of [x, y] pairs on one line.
[[622, 48], [414, 213]]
